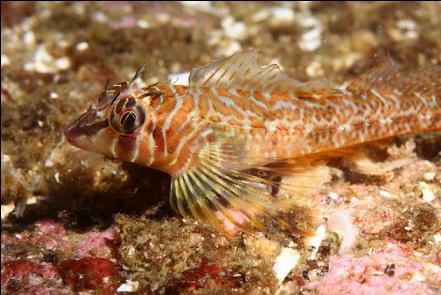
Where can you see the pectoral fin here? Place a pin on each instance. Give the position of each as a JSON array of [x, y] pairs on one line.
[[212, 193]]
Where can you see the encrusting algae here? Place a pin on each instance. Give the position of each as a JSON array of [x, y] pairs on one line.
[[229, 137]]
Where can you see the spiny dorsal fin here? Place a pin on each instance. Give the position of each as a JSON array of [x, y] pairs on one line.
[[241, 71]]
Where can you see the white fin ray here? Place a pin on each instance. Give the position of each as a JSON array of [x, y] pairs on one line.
[[241, 71], [210, 193]]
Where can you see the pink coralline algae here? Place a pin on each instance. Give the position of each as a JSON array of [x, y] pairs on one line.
[[90, 274], [22, 269], [391, 270], [62, 260], [209, 276]]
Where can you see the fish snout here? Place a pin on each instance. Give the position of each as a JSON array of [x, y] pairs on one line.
[[73, 133], [70, 133], [77, 133]]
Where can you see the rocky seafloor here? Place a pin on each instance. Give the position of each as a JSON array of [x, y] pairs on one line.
[[74, 222]]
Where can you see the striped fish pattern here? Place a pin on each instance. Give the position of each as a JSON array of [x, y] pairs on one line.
[[237, 126]]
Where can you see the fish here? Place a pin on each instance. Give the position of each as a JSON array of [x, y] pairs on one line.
[[229, 136]]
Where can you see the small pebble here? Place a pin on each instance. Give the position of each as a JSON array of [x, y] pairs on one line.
[[311, 40], [385, 194], [163, 17], [131, 251], [315, 69], [82, 46], [29, 38], [5, 60], [57, 177], [333, 196], [232, 48], [283, 15], [202, 5], [143, 24], [429, 176], [31, 201], [277, 16], [390, 269], [63, 63], [100, 17], [234, 29], [408, 27]]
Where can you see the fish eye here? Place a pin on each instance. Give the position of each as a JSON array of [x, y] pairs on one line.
[[127, 116], [128, 120]]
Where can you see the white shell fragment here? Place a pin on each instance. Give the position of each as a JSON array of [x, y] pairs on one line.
[[129, 286], [311, 39], [285, 262], [199, 5], [429, 176], [234, 29], [315, 241], [143, 24], [340, 223], [385, 194], [276, 17], [428, 195], [29, 38], [82, 46], [5, 61], [45, 63], [7, 209], [334, 196]]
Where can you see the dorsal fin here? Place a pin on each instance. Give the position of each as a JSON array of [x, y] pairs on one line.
[[426, 82], [241, 71], [386, 76]]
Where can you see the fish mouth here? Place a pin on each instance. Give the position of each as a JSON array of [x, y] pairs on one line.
[[81, 131], [73, 133]]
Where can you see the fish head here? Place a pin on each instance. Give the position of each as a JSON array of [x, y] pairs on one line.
[[113, 124]]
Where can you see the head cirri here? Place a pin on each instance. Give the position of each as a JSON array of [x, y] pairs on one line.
[[113, 123]]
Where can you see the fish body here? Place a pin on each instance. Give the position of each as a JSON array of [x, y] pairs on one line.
[[236, 124]]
